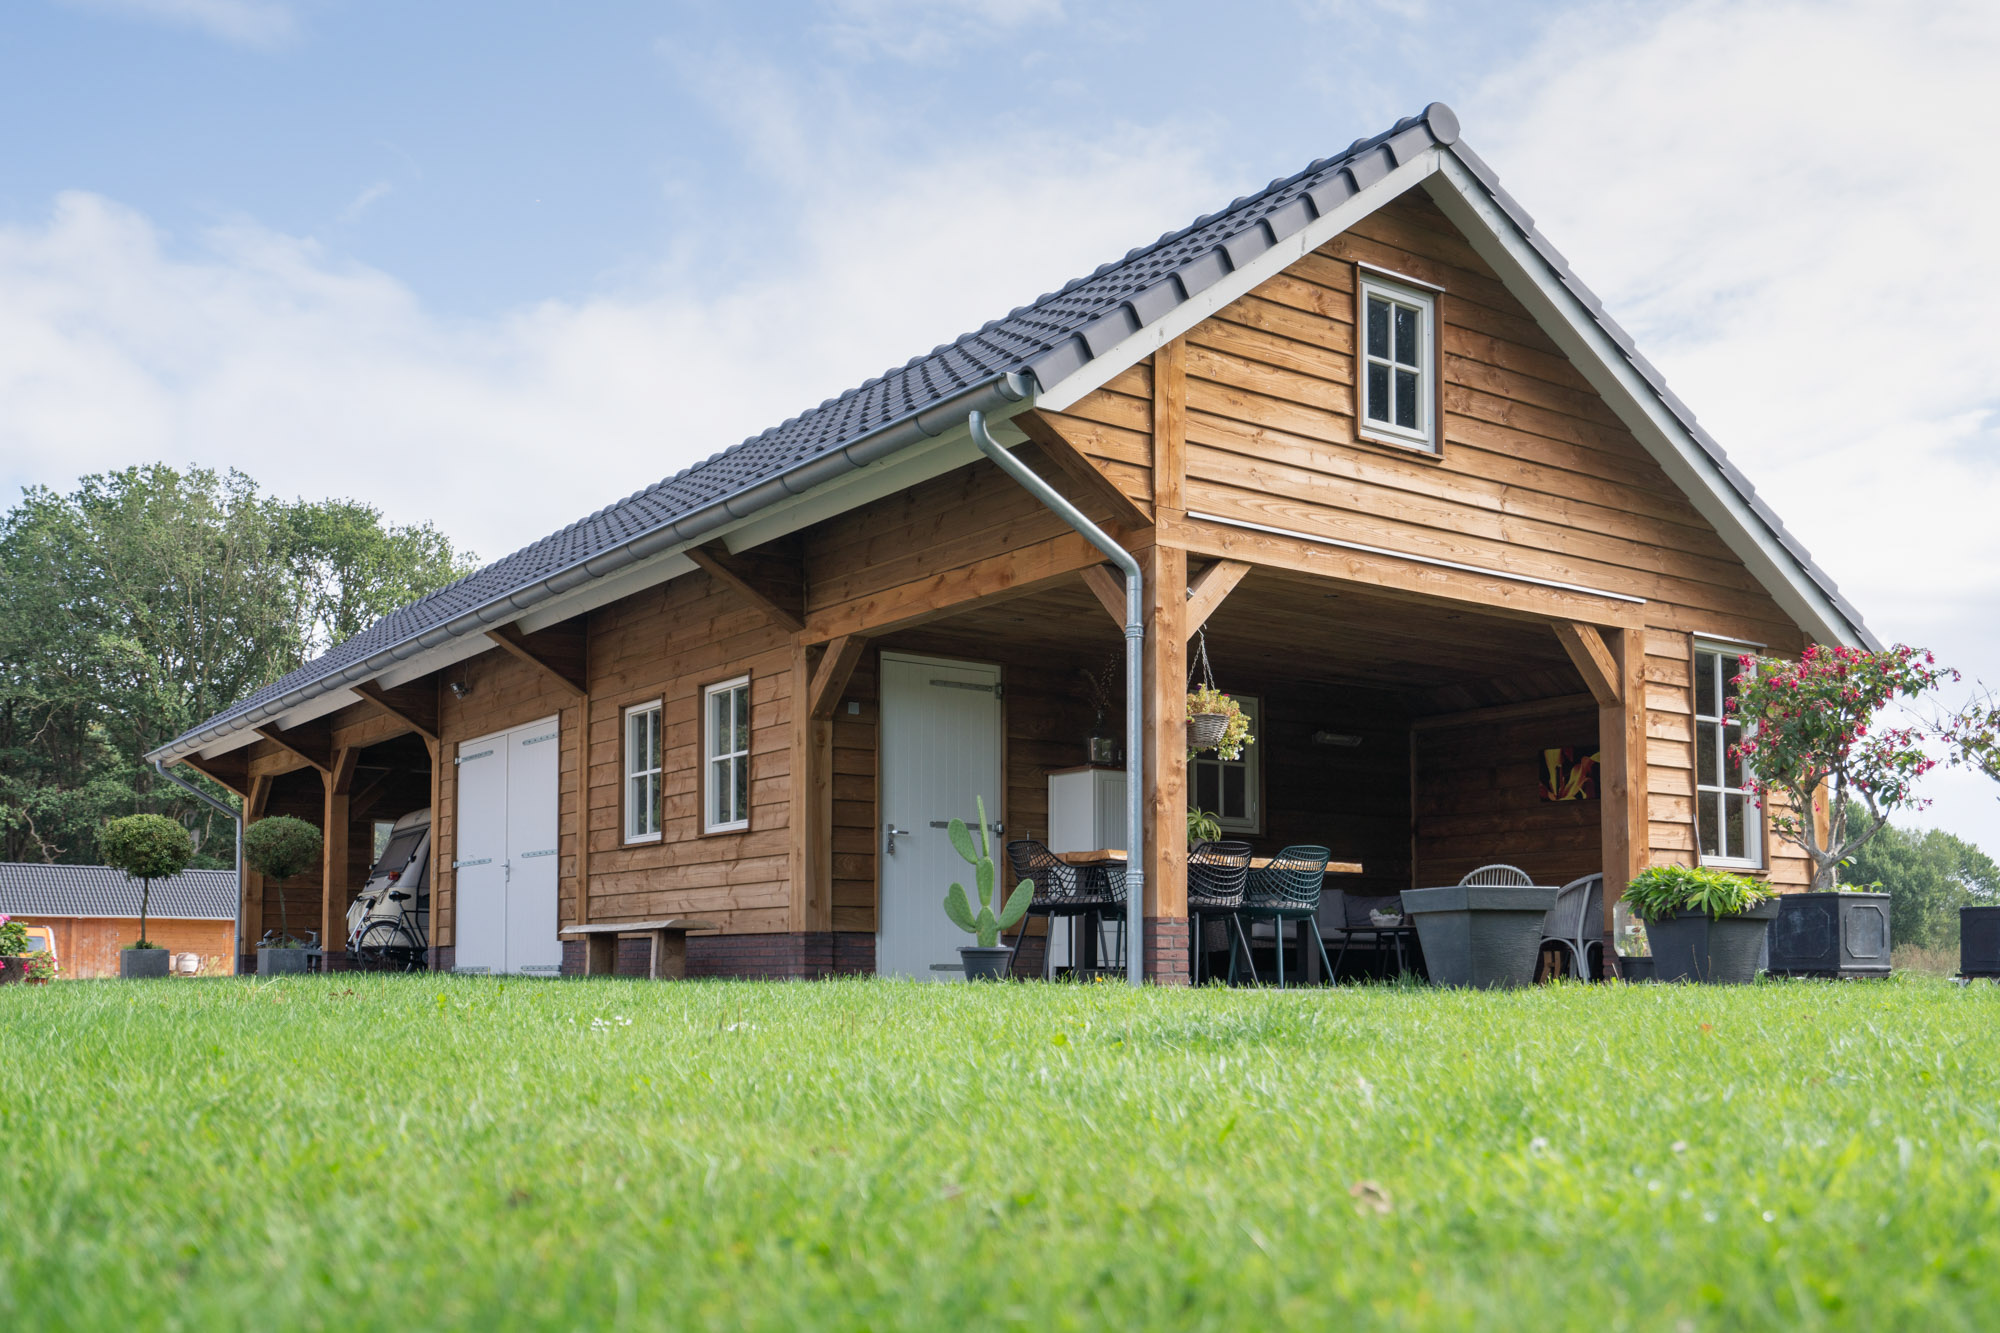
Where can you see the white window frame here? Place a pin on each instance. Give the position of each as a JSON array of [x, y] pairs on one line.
[[1712, 784], [711, 756], [1252, 764], [1370, 284], [638, 813]]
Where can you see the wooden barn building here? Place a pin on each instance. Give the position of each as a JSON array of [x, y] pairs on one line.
[[1368, 441], [92, 913]]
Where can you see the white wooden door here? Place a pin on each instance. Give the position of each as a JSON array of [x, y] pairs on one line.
[[533, 797], [941, 748], [479, 864], [504, 908]]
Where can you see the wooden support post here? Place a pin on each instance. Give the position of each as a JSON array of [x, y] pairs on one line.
[[835, 669], [1621, 744], [1108, 586], [252, 887], [436, 748], [1170, 430], [1165, 852], [1209, 588], [812, 781], [582, 825], [339, 784], [1593, 661]]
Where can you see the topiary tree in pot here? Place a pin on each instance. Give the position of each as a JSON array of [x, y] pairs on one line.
[[146, 848], [279, 848]]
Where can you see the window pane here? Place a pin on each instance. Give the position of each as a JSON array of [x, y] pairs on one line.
[[653, 737], [1406, 335], [1707, 763], [741, 697], [1735, 843], [635, 806], [740, 788], [1378, 326], [1732, 667], [1704, 685], [718, 792], [1406, 399], [1705, 822], [657, 803], [718, 723], [1378, 392], [1235, 804], [1732, 763], [1207, 787]]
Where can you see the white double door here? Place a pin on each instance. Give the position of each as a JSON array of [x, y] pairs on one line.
[[941, 750], [505, 908]]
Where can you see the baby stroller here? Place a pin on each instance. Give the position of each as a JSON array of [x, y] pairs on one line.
[[387, 924]]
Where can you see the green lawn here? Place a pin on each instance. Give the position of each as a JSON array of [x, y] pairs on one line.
[[462, 1152]]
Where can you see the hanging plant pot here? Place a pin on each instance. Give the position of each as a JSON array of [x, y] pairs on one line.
[[1206, 730]]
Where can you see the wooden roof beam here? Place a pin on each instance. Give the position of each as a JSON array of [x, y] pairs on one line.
[[513, 641], [1109, 587], [835, 669], [404, 708], [1593, 659], [773, 584], [1208, 589], [312, 744], [233, 776]]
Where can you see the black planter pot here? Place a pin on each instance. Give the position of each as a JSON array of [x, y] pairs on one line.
[[1483, 936], [1688, 946], [13, 968], [1979, 942], [984, 964], [1841, 934], [136, 963], [1635, 969], [278, 962]]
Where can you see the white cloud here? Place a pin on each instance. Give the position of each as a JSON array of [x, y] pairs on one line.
[[922, 31], [1783, 203], [260, 23]]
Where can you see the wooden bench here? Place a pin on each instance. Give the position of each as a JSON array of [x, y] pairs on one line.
[[669, 945]]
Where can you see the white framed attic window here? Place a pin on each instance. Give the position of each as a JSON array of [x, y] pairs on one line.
[[725, 749], [1396, 362], [642, 772], [1728, 823]]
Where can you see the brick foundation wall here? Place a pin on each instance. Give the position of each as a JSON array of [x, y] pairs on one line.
[[775, 956], [1167, 950]]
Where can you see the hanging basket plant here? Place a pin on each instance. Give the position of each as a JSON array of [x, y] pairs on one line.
[[1214, 720]]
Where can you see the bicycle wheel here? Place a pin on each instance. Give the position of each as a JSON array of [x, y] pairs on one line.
[[386, 946]]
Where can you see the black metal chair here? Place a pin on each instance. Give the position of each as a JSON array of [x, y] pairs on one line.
[[1288, 889], [1063, 890], [1217, 874]]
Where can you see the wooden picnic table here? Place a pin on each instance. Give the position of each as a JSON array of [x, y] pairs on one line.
[[1107, 856], [668, 959]]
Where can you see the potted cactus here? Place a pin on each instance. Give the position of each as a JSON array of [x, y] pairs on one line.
[[986, 960]]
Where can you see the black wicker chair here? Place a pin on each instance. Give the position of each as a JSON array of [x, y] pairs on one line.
[[1217, 873], [1064, 890], [1288, 889]]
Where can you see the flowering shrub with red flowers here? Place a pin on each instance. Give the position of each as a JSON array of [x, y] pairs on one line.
[[1974, 733], [1814, 724]]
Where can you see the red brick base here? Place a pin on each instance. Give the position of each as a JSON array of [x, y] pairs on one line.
[[1167, 954]]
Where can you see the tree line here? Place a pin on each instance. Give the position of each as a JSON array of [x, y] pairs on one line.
[[149, 599]]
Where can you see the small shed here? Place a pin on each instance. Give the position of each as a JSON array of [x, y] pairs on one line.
[[93, 911]]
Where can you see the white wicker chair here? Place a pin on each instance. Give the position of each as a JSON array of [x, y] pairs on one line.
[[1497, 876]]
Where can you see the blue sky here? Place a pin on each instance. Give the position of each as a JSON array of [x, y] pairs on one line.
[[413, 252]]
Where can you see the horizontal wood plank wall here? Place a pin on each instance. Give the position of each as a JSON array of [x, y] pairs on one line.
[[668, 643], [855, 827], [503, 692], [1478, 799], [1113, 428]]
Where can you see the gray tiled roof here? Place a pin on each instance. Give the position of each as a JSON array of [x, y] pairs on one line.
[[1049, 338], [29, 889]]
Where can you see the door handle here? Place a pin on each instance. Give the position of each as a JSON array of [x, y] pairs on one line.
[[890, 834]]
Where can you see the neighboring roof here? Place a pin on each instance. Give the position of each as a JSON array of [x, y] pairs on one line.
[[30, 889], [1049, 339]]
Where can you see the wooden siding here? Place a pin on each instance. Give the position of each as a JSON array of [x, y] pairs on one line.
[[1479, 801]]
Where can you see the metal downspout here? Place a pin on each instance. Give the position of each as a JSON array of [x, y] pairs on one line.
[[1135, 685], [235, 961]]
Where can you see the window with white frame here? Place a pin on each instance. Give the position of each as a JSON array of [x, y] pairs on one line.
[[1729, 826], [1398, 384], [1229, 789], [725, 748], [642, 773]]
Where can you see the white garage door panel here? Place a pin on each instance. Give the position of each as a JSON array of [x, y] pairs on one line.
[[533, 773], [480, 906]]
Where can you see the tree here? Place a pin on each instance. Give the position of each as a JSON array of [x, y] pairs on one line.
[[146, 848], [1928, 875], [281, 847], [1808, 729], [149, 599]]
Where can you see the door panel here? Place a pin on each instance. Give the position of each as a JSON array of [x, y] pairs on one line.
[[479, 900], [941, 749], [534, 766]]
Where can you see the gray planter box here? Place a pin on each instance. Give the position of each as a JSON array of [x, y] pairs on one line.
[[277, 962], [1840, 934], [1480, 936], [1635, 969], [144, 962], [1979, 941], [1690, 947]]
